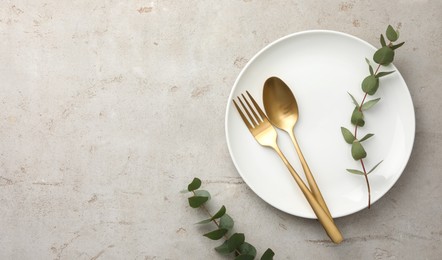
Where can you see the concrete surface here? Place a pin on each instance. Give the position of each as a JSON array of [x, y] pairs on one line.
[[109, 108]]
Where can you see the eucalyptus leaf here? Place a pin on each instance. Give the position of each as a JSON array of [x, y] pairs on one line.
[[384, 73], [384, 56], [216, 234], [220, 213], [224, 248], [354, 100], [372, 169], [231, 244], [348, 136], [370, 84], [366, 137], [245, 257], [236, 240], [197, 201], [202, 193], [247, 249], [355, 171], [392, 35], [194, 185], [358, 151], [370, 68], [394, 47], [357, 118], [369, 104], [268, 255], [383, 43], [368, 61], [204, 221], [226, 222]]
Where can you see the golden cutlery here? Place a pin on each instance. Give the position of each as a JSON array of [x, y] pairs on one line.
[[282, 110], [265, 134]]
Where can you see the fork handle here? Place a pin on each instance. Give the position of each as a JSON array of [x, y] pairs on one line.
[[327, 223], [308, 174]]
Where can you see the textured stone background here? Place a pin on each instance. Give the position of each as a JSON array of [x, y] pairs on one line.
[[109, 108]]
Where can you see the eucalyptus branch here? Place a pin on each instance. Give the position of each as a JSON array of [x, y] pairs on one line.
[[383, 56], [234, 245], [211, 218]]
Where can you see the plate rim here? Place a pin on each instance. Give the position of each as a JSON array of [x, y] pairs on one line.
[[270, 45]]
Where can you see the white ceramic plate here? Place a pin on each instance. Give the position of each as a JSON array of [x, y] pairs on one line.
[[320, 67]]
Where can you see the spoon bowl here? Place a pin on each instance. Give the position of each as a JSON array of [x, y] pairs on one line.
[[280, 104]]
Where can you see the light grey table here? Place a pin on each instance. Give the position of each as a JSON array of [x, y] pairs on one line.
[[109, 108]]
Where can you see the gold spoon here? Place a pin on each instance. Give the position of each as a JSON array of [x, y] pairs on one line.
[[282, 110]]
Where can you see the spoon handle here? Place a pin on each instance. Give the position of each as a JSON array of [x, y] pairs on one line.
[[327, 223], [308, 174]]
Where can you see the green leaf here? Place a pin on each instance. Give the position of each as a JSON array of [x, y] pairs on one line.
[[220, 213], [354, 100], [236, 240], [355, 171], [184, 191], [357, 118], [202, 193], [392, 35], [362, 173], [383, 41], [348, 136], [357, 151], [194, 185], [197, 201], [245, 257], [369, 104], [216, 234], [368, 61], [204, 221], [247, 249], [224, 249], [370, 68], [200, 197], [268, 255], [394, 47], [370, 84], [384, 56], [226, 222], [366, 137], [372, 169], [384, 73], [231, 244]]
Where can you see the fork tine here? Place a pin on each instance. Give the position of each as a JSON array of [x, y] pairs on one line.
[[263, 116], [254, 123], [242, 115], [257, 119]]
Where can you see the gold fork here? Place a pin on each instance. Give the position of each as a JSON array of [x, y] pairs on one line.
[[266, 135]]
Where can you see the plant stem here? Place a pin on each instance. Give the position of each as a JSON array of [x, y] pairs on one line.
[[376, 72], [356, 132], [368, 183], [214, 221]]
